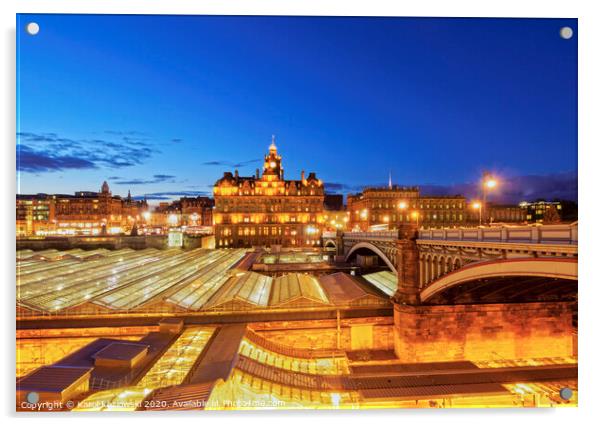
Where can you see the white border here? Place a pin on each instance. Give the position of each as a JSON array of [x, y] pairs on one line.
[[590, 137]]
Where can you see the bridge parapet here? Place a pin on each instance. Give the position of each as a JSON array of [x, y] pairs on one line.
[[446, 250], [371, 236], [442, 251], [532, 234]]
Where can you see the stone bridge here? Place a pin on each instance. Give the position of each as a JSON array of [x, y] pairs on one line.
[[447, 258], [477, 293]]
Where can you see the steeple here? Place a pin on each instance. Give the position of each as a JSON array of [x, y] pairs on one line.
[[390, 181], [272, 164], [105, 188], [273, 145]]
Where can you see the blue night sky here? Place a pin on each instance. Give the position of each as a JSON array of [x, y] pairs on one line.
[[163, 105]]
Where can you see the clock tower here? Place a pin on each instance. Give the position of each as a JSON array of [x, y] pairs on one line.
[[272, 165]]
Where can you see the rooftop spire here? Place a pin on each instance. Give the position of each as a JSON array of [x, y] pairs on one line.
[[390, 181], [273, 145]]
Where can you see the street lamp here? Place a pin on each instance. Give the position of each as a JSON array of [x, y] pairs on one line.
[[416, 216], [477, 206], [489, 183]]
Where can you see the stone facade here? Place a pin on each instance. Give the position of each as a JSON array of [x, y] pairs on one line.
[[268, 210], [483, 332], [408, 278], [393, 206], [322, 334], [83, 213], [475, 332]]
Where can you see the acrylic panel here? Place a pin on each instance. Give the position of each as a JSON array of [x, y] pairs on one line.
[[285, 212]]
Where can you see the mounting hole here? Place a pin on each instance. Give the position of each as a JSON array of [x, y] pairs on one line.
[[32, 28], [566, 33], [566, 393]]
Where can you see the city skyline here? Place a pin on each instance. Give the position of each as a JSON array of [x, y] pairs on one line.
[[167, 122]]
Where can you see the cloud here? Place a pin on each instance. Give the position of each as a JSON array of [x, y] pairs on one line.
[[48, 152], [230, 164], [512, 190], [177, 140], [170, 195], [125, 133], [340, 188], [32, 161], [139, 181]]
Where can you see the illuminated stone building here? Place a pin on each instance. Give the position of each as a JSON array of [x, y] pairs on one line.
[[267, 209], [89, 212], [84, 213], [35, 215], [197, 211], [509, 213], [549, 211], [387, 207], [193, 213]]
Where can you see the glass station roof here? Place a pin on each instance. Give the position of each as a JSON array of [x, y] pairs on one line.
[[290, 287], [72, 281], [246, 287], [386, 281]]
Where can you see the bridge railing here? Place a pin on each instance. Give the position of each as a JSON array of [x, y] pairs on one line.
[[376, 235], [531, 234]]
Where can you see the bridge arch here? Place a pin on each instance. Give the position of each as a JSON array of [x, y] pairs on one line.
[[373, 248], [330, 243], [564, 270]]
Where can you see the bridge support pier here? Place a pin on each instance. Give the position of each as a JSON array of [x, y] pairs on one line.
[[483, 332], [429, 333]]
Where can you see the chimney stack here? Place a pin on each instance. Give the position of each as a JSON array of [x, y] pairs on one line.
[[236, 173], [257, 173], [302, 175]]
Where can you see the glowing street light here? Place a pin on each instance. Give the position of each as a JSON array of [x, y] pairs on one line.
[[477, 206], [489, 183], [416, 216], [402, 205]]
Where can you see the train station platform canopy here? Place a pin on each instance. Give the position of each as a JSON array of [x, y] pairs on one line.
[[297, 289], [343, 288], [248, 289], [179, 281], [386, 281]]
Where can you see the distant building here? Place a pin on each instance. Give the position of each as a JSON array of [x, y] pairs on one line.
[[267, 209], [388, 207], [540, 211], [197, 211], [35, 215], [192, 213], [507, 213], [84, 213]]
